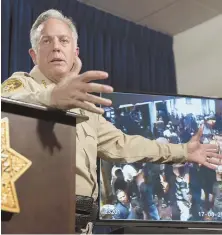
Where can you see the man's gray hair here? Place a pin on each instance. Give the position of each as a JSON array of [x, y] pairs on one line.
[[35, 33]]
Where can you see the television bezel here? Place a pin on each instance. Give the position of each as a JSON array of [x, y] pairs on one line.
[[151, 223]]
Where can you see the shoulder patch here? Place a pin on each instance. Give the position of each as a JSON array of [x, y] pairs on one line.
[[11, 85]]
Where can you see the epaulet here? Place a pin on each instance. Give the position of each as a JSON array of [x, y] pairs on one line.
[[27, 75], [20, 75], [17, 74]]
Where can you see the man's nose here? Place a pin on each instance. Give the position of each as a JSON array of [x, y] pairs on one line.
[[56, 44]]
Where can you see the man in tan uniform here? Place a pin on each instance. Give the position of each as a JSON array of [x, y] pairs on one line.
[[55, 82]]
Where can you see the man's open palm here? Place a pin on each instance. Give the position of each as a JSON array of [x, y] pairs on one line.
[[204, 154]]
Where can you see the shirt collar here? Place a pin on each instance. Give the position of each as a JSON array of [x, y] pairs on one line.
[[39, 77]]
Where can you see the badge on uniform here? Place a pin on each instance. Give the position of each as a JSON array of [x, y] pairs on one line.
[[44, 83], [11, 85], [13, 165]]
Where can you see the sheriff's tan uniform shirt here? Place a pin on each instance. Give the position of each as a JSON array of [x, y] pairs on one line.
[[95, 137]]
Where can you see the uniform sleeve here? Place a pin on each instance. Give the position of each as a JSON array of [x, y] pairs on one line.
[[27, 90], [114, 144]]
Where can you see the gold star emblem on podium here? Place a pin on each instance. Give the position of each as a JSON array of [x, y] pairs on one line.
[[13, 165]]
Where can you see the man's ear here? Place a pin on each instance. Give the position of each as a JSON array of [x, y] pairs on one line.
[[77, 51], [33, 55]]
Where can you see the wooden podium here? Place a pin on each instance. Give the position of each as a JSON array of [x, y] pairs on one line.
[[46, 191]]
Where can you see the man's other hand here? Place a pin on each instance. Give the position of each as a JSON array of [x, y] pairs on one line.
[[204, 154]]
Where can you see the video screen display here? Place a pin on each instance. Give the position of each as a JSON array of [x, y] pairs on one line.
[[167, 192]]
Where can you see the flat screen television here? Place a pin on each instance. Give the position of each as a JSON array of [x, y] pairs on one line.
[[142, 193]]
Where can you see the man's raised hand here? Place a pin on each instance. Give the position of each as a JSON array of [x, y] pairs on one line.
[[74, 92]]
